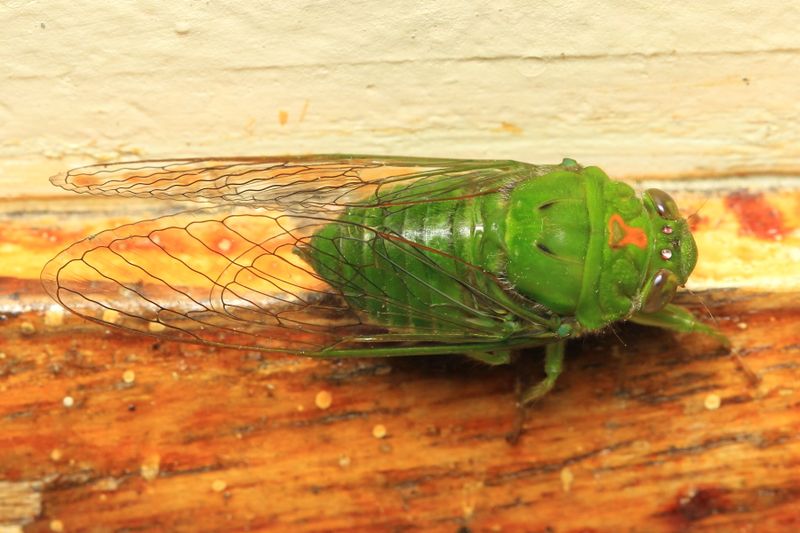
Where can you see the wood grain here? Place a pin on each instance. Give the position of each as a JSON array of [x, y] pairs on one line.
[[633, 87], [646, 431]]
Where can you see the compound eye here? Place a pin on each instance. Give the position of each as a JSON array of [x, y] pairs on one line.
[[665, 205], [662, 291]]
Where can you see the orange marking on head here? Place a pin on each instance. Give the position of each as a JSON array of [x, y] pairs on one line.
[[621, 234]]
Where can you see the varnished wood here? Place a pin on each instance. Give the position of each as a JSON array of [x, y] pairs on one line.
[[167, 436]]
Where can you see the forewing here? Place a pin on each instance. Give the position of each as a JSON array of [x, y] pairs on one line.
[[319, 183], [207, 275], [234, 276]]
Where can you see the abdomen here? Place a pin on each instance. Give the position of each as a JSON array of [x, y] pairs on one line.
[[417, 266]]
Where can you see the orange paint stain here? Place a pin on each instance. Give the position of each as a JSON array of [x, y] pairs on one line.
[[303, 112], [283, 117], [509, 127], [621, 234]]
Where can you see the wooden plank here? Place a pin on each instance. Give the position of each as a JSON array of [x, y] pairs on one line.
[[645, 430], [635, 88], [626, 121]]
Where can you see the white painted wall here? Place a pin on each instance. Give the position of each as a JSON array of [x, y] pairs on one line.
[[638, 87]]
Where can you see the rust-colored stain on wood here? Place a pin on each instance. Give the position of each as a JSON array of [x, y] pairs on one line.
[[756, 215], [645, 431]]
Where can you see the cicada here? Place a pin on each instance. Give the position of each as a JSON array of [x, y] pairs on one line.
[[351, 255]]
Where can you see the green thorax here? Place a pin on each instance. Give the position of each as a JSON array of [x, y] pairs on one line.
[[578, 243]]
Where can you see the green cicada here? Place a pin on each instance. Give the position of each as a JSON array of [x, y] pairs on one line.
[[350, 256]]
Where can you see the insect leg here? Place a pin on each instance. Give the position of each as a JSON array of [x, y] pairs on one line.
[[500, 345], [535, 316], [676, 318], [553, 365], [500, 357]]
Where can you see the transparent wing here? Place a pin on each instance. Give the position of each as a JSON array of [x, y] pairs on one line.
[[234, 276], [234, 273], [300, 184]]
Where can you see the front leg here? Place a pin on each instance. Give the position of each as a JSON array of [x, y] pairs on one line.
[[676, 318]]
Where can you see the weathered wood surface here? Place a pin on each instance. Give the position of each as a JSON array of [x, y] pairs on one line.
[[646, 431], [636, 87]]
